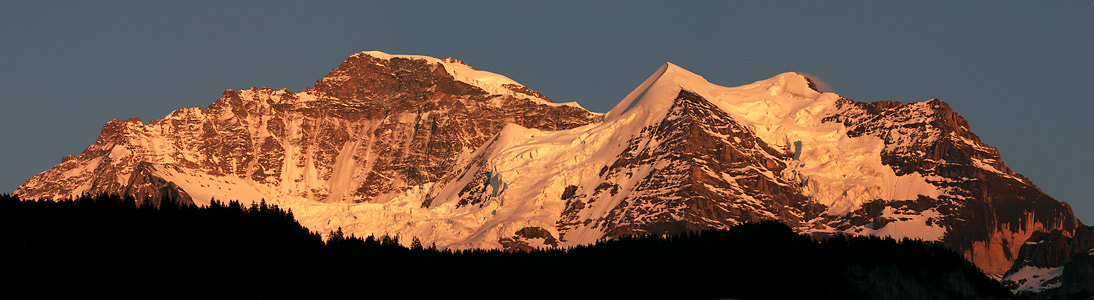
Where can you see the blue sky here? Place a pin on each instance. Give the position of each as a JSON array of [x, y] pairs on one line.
[[1019, 71]]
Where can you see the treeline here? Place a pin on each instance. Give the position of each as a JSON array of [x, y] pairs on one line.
[[111, 246], [106, 245]]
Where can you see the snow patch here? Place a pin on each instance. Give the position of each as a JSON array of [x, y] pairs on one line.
[[1035, 279], [903, 224], [492, 83], [203, 188], [985, 164]]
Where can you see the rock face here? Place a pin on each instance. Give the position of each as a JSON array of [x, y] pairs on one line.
[[434, 149], [990, 211], [707, 158], [1059, 263], [373, 127]]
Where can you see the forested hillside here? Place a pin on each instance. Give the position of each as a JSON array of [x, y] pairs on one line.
[[110, 246]]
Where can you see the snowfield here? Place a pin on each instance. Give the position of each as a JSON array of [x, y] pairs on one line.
[[524, 172], [529, 169]]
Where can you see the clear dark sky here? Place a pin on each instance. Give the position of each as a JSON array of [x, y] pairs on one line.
[[1021, 72]]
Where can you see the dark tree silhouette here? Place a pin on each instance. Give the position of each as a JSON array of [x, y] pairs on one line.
[[110, 246]]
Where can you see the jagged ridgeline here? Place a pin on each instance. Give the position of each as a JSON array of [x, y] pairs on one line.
[[112, 246], [406, 145]]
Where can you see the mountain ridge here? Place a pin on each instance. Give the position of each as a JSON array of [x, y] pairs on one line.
[[435, 149]]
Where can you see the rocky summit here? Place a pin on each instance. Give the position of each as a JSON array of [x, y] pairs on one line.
[[434, 149]]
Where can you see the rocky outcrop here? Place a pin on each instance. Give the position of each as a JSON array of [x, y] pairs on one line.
[[708, 172], [1059, 262], [149, 188], [529, 238], [991, 210]]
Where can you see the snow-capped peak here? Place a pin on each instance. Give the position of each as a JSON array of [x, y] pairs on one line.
[[793, 83], [658, 91], [786, 111], [654, 96], [490, 82]]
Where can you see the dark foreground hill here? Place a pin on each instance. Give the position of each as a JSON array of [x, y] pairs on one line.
[[110, 246]]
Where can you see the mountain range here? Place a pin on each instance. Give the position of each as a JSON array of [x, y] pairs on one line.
[[436, 150]]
